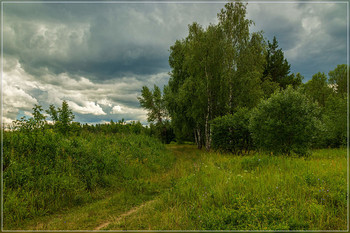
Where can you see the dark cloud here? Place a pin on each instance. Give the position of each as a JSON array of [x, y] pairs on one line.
[[312, 35], [98, 56], [100, 41]]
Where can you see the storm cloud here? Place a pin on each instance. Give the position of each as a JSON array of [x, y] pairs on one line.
[[97, 56]]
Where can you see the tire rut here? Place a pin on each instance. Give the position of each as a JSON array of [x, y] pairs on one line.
[[131, 211]]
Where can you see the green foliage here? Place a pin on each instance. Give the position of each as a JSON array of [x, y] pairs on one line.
[[317, 89], [338, 78], [230, 133], [45, 170], [34, 123], [335, 121], [277, 67], [287, 122], [331, 95], [215, 70], [61, 118], [52, 113], [65, 117], [154, 102], [295, 80]]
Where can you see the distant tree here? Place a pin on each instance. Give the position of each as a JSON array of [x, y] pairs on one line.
[[338, 78], [65, 116], [154, 103], [295, 80], [277, 67], [285, 123], [34, 123], [39, 119], [317, 89], [52, 113], [62, 118]]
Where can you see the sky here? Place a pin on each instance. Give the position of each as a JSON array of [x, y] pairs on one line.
[[97, 56]]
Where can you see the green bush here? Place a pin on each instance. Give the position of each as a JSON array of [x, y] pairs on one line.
[[230, 133], [285, 123], [45, 171]]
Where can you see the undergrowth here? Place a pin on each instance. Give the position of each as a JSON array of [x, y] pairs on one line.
[[48, 172]]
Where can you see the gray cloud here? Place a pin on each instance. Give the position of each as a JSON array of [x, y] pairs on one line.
[[102, 41], [98, 56], [312, 35]]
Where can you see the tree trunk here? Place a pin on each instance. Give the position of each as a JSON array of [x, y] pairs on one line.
[[207, 132], [195, 136], [207, 125], [199, 138]]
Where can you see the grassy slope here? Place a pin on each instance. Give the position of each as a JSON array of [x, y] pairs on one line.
[[215, 191]]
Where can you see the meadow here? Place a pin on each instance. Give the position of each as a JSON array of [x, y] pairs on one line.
[[178, 187], [254, 192]]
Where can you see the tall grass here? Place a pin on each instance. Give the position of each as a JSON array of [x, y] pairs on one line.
[[45, 172], [255, 192]]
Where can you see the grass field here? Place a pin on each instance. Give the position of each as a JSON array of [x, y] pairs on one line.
[[203, 191]]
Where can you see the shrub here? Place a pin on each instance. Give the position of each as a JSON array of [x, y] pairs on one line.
[[63, 171], [335, 121], [230, 133], [285, 123]]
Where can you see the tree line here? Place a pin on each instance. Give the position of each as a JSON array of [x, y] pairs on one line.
[[224, 69], [60, 120]]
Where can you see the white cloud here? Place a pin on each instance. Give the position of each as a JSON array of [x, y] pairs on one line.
[[82, 95], [87, 108], [105, 102], [311, 24], [16, 84], [128, 110], [116, 109]]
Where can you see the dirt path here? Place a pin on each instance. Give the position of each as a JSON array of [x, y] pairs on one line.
[[120, 217], [111, 211]]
